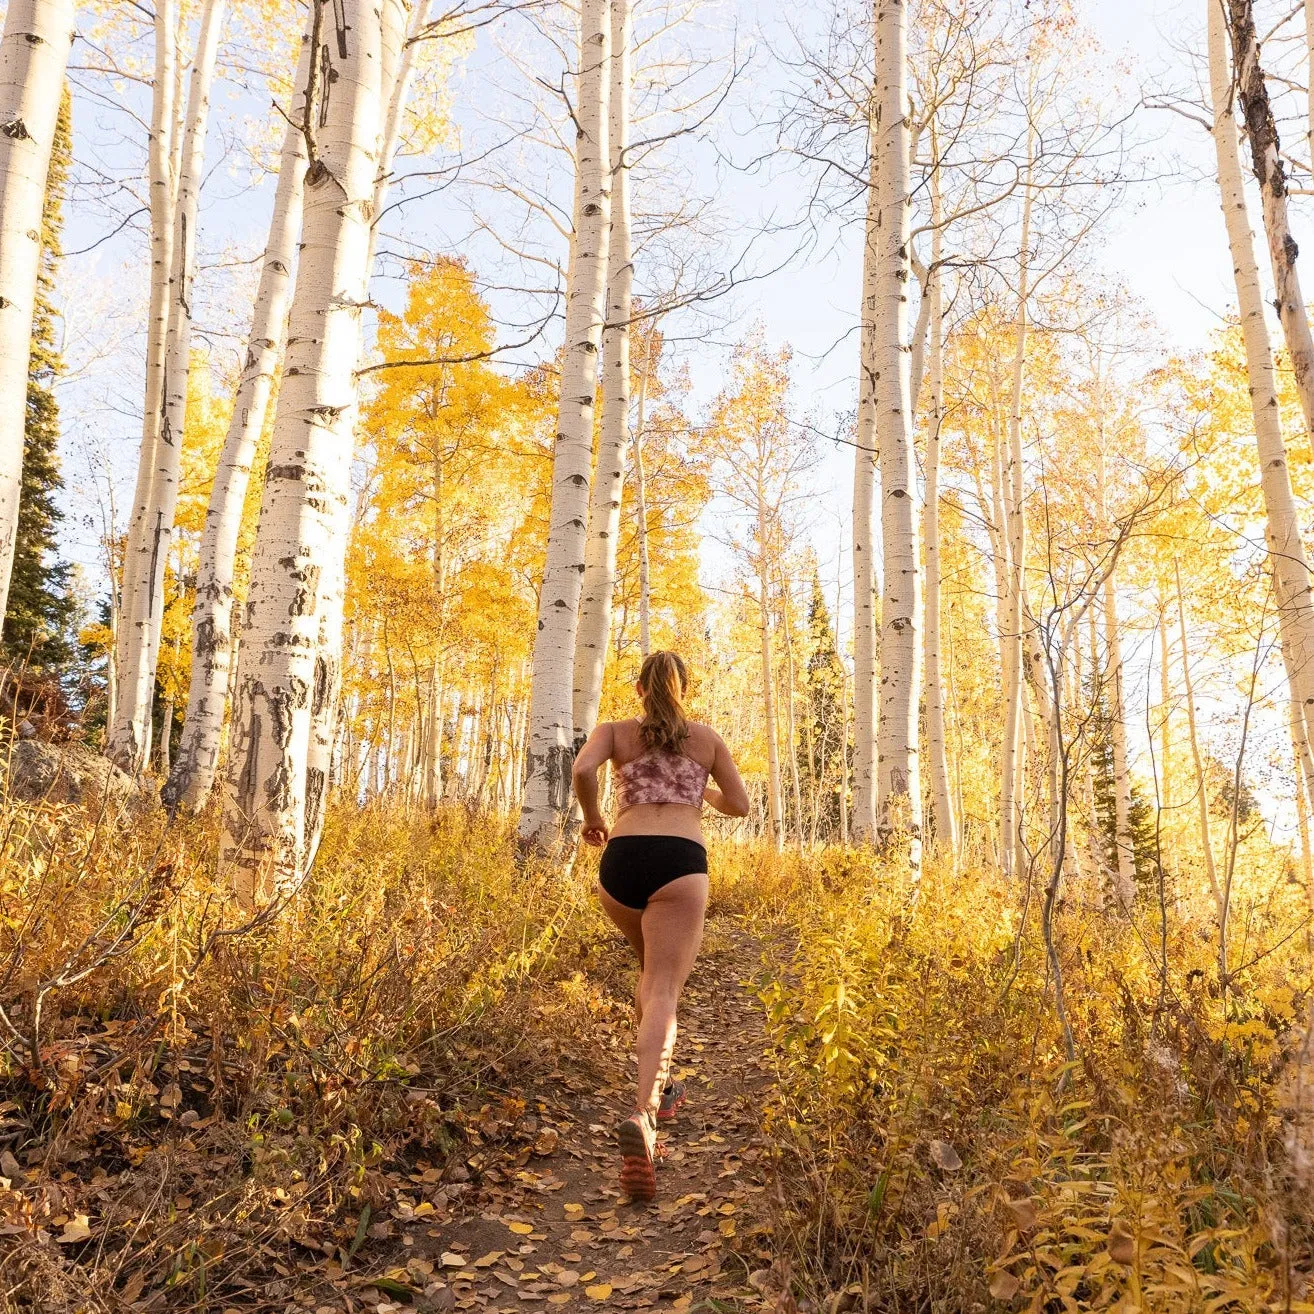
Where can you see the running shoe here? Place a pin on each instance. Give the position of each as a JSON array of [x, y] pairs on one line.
[[638, 1174], [673, 1097]]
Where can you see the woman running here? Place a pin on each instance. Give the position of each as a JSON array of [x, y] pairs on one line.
[[653, 877]]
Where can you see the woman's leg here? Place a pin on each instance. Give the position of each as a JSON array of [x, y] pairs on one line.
[[672, 927], [630, 922]]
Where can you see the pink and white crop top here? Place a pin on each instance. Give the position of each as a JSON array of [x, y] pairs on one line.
[[660, 777]]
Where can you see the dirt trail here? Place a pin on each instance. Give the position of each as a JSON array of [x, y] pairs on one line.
[[563, 1236]]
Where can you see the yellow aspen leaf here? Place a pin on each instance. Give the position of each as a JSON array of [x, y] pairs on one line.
[[599, 1291]]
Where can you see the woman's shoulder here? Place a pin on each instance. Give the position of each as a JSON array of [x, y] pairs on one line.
[[703, 735]]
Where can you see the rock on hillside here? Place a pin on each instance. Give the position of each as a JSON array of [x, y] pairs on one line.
[[32, 771]]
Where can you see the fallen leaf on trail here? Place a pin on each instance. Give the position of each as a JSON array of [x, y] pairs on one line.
[[521, 1229], [945, 1156], [574, 1210], [560, 1298], [761, 1280], [488, 1260], [547, 1141], [599, 1292], [451, 1259], [1004, 1286], [75, 1229], [726, 1227]]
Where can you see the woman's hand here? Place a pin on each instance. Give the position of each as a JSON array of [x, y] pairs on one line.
[[595, 832]]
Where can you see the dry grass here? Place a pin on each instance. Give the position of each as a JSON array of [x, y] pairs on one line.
[[943, 1154], [196, 1104]]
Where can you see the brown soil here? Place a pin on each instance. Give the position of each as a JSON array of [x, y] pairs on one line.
[[561, 1235]]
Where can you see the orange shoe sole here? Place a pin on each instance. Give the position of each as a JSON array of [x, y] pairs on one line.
[[638, 1174]]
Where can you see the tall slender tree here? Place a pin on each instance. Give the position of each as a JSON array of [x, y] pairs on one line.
[[899, 799], [551, 715], [864, 508], [1266, 159], [175, 198], [272, 799], [34, 47], [41, 605], [193, 773], [1286, 548], [599, 580], [944, 829]]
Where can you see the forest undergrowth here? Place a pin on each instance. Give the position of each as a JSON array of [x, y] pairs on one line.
[[196, 1105]]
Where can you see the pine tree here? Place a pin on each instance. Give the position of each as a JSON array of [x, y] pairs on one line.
[[819, 753], [41, 608]]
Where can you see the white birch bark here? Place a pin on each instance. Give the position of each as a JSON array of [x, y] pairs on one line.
[[272, 796], [1266, 160], [395, 68], [144, 566], [641, 514], [193, 774], [599, 581], [1286, 548], [791, 725], [944, 828], [1197, 758], [38, 35], [1165, 771], [1014, 530], [128, 741], [775, 793], [863, 827], [551, 740], [898, 785]]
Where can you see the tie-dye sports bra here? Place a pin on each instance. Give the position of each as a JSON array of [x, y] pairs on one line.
[[660, 777]]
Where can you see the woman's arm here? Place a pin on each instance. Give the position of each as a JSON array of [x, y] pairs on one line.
[[584, 775], [730, 797]]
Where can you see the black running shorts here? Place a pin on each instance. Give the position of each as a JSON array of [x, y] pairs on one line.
[[635, 867]]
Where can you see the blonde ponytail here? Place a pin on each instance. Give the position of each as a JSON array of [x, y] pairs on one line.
[[663, 682]]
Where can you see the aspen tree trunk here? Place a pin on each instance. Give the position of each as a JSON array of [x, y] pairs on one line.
[[213, 637], [38, 35], [144, 565], [1014, 529], [864, 507], [599, 581], [1302, 799], [844, 760], [944, 834], [273, 798], [791, 728], [128, 736], [392, 77], [1286, 548], [898, 786], [551, 737], [1197, 759], [641, 498], [1309, 91], [773, 753], [1266, 160], [1165, 727]]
